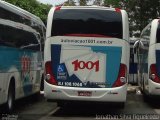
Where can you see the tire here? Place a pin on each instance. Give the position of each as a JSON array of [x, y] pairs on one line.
[[121, 105], [146, 97], [36, 96], [42, 83], [10, 98], [61, 104], [143, 86]]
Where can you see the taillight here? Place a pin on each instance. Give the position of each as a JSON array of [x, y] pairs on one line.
[[153, 73], [122, 76], [48, 73], [117, 10], [58, 8]]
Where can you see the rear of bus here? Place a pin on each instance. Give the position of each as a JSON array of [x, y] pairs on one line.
[[154, 58], [86, 54]]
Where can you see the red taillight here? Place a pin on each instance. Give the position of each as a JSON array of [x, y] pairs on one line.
[[122, 76], [153, 74], [117, 10], [49, 75], [58, 8]]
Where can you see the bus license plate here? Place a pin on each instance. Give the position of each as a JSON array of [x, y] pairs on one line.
[[84, 93]]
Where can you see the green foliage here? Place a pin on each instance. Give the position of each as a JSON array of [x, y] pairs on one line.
[[70, 3], [114, 3], [33, 6], [83, 2]]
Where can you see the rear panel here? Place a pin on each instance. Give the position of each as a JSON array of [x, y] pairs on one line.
[[86, 48]]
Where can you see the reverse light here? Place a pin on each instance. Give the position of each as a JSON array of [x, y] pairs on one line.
[[48, 77], [123, 79], [122, 76], [153, 76]]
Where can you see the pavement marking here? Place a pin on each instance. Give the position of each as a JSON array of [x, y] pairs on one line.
[[42, 92], [157, 111], [50, 113]]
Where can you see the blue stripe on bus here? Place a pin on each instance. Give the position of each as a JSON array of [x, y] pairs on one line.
[[112, 63]]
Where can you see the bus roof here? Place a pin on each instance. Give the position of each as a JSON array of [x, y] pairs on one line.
[[20, 11], [89, 7], [146, 27]]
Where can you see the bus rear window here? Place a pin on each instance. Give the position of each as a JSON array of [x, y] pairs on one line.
[[158, 34], [87, 21]]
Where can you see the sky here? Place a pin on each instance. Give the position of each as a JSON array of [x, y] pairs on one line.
[[53, 2]]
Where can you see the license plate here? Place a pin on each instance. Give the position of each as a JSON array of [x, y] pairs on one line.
[[84, 93]]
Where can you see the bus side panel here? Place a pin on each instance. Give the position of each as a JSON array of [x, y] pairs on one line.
[[24, 65]]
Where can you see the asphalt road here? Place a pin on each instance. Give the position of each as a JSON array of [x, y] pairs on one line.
[[135, 108]]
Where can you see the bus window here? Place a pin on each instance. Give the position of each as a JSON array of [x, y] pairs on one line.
[[158, 34], [83, 21]]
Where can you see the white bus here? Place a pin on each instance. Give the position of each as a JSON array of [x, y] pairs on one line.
[[21, 63], [86, 55], [149, 59]]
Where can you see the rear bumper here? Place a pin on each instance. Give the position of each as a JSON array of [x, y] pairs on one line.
[[59, 93], [154, 88]]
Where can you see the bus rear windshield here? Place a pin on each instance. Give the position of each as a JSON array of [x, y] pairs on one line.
[[158, 34], [87, 21]]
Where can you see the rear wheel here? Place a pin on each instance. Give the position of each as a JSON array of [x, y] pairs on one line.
[[61, 103], [121, 105], [10, 98], [42, 83], [146, 97], [143, 85]]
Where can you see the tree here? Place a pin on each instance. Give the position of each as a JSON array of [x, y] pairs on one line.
[[98, 2], [33, 6], [70, 3], [114, 3], [140, 12], [83, 2]]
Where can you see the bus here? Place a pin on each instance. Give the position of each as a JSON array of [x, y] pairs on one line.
[[149, 59], [22, 35], [86, 55]]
